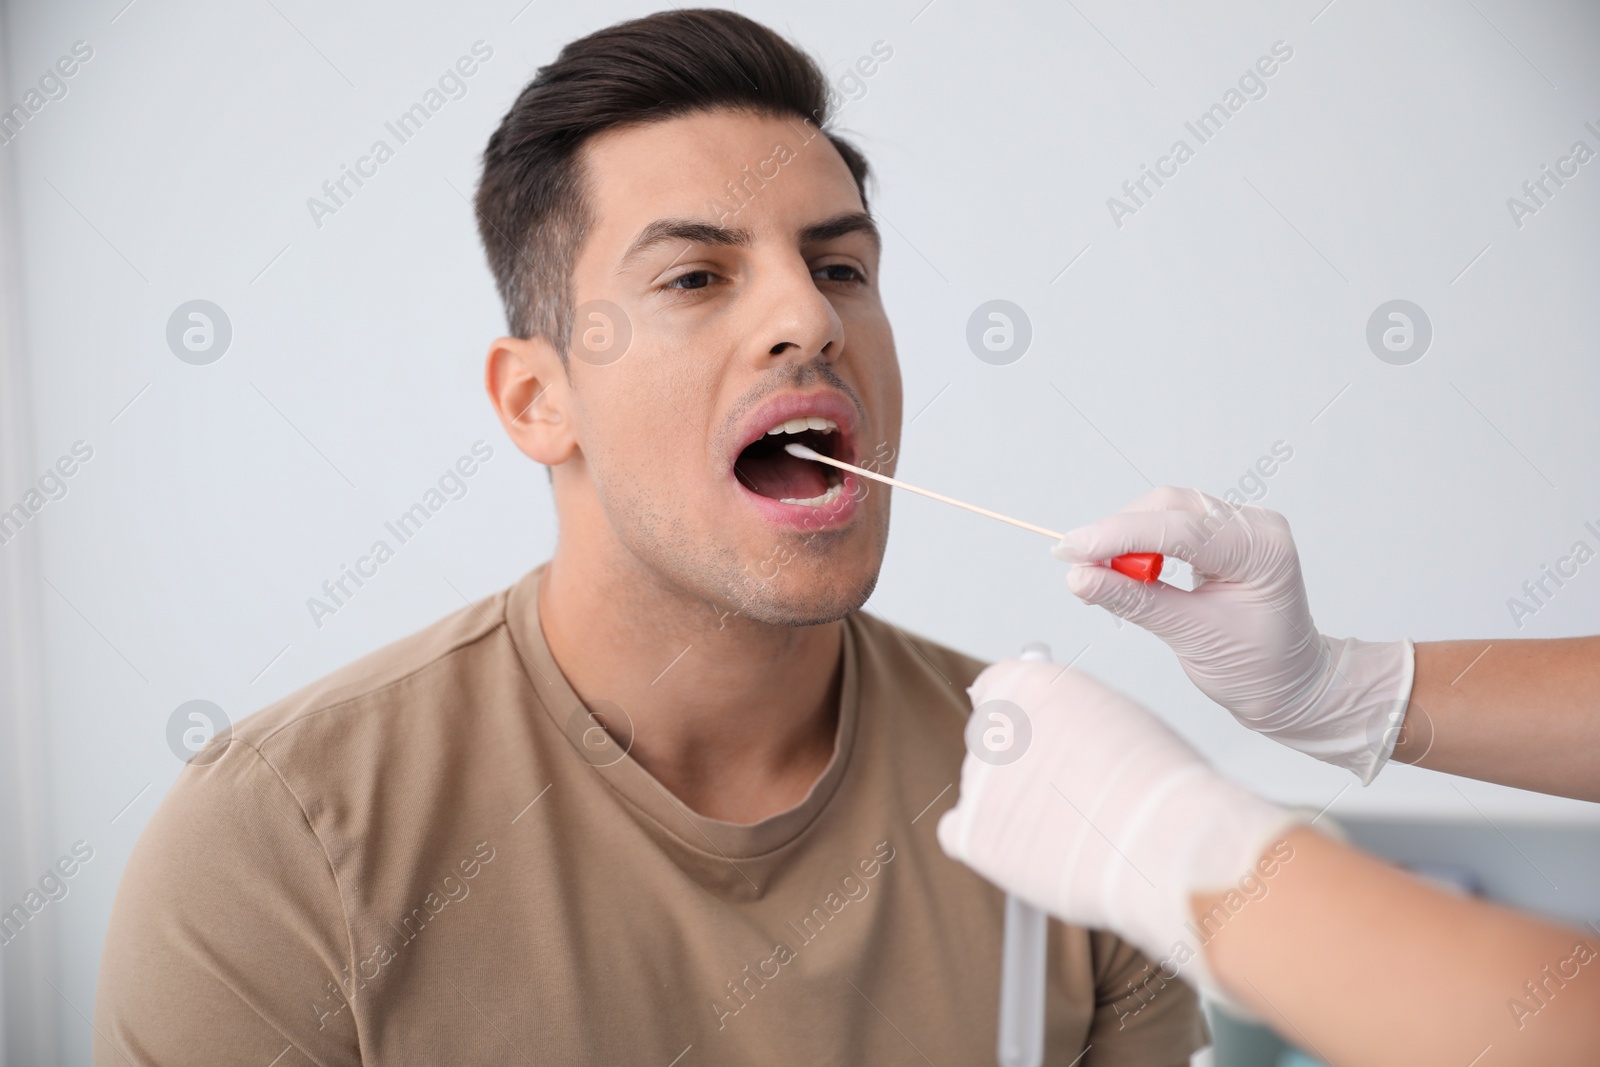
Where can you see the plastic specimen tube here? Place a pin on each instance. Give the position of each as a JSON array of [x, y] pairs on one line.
[[1022, 968]]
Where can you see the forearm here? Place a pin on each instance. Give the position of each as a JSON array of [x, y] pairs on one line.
[[1358, 962], [1521, 713]]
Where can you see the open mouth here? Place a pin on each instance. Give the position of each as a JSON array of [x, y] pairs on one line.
[[767, 470]]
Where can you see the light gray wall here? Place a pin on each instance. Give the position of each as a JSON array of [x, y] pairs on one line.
[[27, 964], [1227, 314]]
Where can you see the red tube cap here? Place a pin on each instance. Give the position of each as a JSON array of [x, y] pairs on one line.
[[1141, 566]]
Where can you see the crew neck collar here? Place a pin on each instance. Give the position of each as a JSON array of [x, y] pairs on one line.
[[713, 838]]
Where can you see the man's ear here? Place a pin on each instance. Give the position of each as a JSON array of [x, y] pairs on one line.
[[531, 393]]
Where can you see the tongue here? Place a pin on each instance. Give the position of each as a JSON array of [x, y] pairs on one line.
[[781, 476]]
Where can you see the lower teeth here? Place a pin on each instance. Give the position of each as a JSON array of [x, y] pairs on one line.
[[825, 499]]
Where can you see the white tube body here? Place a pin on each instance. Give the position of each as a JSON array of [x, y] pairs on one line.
[[1022, 979], [1022, 968]]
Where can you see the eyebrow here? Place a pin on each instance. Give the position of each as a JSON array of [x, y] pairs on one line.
[[706, 233], [842, 226], [689, 230]]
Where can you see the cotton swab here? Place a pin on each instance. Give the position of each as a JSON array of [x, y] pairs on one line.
[[1143, 566]]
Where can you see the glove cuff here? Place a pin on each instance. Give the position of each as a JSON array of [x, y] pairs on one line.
[[1214, 837], [1356, 720], [1236, 854]]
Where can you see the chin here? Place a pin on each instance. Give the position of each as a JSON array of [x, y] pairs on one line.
[[806, 611], [807, 594]]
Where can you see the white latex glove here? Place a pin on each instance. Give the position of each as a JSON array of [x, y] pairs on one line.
[[1108, 819], [1245, 635]]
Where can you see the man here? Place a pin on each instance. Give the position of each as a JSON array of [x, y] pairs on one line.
[[671, 797]]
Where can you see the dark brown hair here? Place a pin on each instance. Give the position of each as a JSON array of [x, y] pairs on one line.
[[532, 215]]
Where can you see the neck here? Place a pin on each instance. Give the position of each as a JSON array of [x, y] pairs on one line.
[[734, 717]]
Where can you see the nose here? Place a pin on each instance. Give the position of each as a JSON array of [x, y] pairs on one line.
[[797, 319]]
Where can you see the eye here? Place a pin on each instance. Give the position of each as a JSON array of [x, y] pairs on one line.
[[838, 272], [694, 279]]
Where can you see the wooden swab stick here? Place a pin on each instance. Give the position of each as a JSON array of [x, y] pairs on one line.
[[1142, 566], [794, 448]]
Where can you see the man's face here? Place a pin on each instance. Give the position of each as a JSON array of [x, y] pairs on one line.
[[737, 248]]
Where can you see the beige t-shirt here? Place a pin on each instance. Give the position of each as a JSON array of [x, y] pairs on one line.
[[431, 857]]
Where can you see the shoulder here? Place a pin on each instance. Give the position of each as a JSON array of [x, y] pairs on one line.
[[338, 754], [385, 676], [917, 664]]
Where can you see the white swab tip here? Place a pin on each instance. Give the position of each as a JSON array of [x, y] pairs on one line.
[[795, 448]]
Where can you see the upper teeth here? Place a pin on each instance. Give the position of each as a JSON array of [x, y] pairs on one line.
[[803, 423]]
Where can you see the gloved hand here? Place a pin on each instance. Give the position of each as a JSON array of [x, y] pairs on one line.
[[1245, 635], [1107, 819]]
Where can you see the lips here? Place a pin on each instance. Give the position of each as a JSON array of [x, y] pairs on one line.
[[792, 491]]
